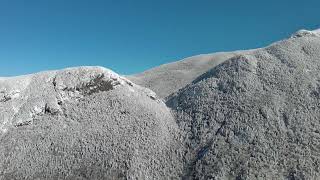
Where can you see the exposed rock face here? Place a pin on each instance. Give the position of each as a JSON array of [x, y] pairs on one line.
[[85, 123], [241, 115]]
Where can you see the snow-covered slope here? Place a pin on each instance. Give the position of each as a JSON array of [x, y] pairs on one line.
[[317, 31], [168, 78], [255, 116], [85, 122], [249, 115]]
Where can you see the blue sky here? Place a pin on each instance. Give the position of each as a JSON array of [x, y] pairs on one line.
[[134, 35]]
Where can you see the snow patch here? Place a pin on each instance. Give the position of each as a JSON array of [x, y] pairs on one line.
[[317, 31], [304, 33]]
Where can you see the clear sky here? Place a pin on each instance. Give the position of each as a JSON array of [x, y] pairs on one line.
[[134, 35]]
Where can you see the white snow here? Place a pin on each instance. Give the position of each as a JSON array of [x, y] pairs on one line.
[[317, 31]]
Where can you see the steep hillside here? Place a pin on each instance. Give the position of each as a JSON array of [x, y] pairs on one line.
[[255, 116]]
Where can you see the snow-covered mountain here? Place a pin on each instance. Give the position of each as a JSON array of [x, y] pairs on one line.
[[250, 114]]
